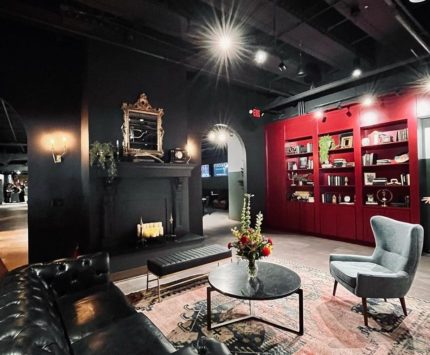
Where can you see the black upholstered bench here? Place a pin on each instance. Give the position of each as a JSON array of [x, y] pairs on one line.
[[183, 260]]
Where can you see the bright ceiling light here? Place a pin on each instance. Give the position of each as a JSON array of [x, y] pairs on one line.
[[423, 84], [356, 73], [260, 56], [368, 100], [212, 136], [416, 1], [223, 41], [222, 136], [319, 113]]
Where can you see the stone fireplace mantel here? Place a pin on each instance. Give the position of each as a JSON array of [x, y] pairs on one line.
[[149, 170]]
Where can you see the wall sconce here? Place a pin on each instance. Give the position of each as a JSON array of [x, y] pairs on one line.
[[58, 152]]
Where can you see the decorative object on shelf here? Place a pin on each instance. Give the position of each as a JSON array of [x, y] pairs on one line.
[[178, 155], [405, 179], [393, 182], [407, 201], [385, 138], [368, 178], [371, 200], [292, 177], [347, 199], [325, 143], [339, 163], [403, 158], [346, 142], [380, 181], [301, 196], [374, 137], [311, 199], [334, 199], [365, 142], [250, 244], [367, 159], [103, 155], [303, 162], [309, 147], [383, 161], [346, 180], [142, 130], [302, 178], [384, 196]]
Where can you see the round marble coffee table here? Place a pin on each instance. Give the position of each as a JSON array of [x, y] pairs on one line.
[[272, 282]]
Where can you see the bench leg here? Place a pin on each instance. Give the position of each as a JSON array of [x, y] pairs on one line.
[[147, 280], [158, 288]]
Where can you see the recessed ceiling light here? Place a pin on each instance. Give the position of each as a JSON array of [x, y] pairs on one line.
[[282, 66], [356, 73], [260, 56], [416, 1], [225, 42]]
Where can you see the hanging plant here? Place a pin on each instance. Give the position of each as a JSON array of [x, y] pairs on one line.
[[325, 143], [103, 156]]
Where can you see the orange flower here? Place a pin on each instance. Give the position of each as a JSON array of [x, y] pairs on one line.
[[266, 250]]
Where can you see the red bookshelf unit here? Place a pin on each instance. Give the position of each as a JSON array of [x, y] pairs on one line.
[[372, 169]]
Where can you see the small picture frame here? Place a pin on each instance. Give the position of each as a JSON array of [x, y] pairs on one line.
[[346, 142], [368, 178], [303, 163]]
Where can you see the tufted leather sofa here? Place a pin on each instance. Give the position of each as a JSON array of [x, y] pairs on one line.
[[69, 306]]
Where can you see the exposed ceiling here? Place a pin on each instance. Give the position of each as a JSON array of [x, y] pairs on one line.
[[331, 34]]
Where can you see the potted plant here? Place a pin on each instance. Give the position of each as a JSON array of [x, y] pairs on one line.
[[103, 156], [325, 143], [250, 244]]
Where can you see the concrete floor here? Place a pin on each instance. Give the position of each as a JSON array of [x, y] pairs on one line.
[[299, 249], [13, 234]]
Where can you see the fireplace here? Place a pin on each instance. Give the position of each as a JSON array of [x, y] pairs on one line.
[[151, 191]]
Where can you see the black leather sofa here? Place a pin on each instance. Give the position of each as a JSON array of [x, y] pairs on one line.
[[69, 306]]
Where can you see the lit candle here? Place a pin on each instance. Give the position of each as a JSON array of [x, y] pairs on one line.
[[139, 230]]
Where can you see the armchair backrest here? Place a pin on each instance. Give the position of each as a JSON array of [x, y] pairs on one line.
[[398, 244]]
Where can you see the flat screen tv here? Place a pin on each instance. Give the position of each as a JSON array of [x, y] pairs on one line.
[[221, 169], [205, 171]]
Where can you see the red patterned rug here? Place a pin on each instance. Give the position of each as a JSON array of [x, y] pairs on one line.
[[333, 325]]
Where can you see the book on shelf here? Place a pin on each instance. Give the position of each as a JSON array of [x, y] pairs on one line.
[[382, 181], [402, 135], [336, 180], [405, 179], [367, 159], [383, 161], [374, 203]]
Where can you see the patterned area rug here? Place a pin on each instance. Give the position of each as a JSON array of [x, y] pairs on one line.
[[333, 325]]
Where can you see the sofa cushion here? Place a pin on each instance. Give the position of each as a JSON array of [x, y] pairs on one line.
[[102, 306], [347, 271], [132, 335], [29, 320]]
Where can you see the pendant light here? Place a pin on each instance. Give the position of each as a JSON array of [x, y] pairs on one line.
[[300, 69]]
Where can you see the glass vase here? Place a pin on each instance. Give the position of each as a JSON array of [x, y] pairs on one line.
[[252, 269]]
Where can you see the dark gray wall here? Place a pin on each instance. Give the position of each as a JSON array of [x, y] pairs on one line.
[[41, 77]]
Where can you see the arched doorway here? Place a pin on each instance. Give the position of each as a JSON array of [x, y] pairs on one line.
[[13, 188], [224, 178]]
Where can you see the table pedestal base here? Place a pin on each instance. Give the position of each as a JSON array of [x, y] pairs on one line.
[[252, 316]]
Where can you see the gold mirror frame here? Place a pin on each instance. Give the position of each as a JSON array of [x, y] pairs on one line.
[[142, 108]]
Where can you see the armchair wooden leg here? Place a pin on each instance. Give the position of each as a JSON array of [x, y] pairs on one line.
[[385, 299], [364, 301], [334, 288], [402, 301]]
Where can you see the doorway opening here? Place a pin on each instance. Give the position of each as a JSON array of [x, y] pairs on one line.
[[424, 173], [223, 178], [13, 188]]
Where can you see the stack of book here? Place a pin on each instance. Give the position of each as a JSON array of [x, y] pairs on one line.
[[383, 161], [402, 135], [382, 181]]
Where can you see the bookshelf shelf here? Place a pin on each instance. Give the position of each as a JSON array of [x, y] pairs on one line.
[[296, 155], [338, 186], [384, 145], [343, 168]]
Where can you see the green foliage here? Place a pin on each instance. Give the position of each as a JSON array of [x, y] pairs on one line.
[[103, 156], [325, 143]]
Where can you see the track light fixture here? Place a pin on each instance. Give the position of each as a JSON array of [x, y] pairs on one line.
[[282, 66], [348, 113]]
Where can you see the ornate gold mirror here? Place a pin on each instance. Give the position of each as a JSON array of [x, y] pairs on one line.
[[142, 129]]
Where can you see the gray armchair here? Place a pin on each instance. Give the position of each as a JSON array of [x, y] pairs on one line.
[[389, 272]]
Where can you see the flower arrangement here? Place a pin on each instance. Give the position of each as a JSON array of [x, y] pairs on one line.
[[250, 244]]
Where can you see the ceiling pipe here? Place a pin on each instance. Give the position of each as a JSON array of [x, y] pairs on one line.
[[404, 22], [340, 84]]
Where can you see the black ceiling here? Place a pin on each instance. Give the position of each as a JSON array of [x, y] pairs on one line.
[[330, 33]]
